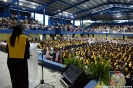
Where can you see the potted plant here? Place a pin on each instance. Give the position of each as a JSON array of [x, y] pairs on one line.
[[99, 70], [75, 61]]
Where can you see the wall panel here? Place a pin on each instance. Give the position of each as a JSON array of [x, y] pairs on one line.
[[4, 36], [77, 35], [85, 35], [99, 36], [115, 36]]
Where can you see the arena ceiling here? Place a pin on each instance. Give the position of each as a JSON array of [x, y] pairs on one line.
[[78, 9]]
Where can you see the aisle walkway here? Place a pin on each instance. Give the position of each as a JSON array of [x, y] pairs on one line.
[[49, 76]]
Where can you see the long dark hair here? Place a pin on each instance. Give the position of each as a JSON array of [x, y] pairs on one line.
[[16, 32]]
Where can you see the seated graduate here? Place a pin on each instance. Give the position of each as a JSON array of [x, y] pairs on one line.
[[56, 55], [48, 54], [18, 53]]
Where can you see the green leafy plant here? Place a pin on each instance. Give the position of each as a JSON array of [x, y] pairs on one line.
[[75, 61], [100, 70]]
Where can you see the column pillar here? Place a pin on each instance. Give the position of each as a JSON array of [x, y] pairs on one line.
[[106, 36], [73, 21], [8, 12], [34, 16], [73, 35], [64, 21], [61, 19], [123, 37], [52, 20], [82, 24], [44, 15], [44, 36], [18, 10]]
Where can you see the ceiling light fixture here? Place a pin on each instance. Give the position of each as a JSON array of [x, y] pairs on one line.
[[84, 5], [58, 10], [111, 5], [5, 0], [20, 4], [118, 16], [131, 6], [33, 3], [59, 13], [66, 15], [71, 14], [34, 7]]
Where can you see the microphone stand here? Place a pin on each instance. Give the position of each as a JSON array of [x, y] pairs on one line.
[[46, 85]]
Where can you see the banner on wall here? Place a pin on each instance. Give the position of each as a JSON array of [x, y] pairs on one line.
[[90, 35], [99, 36], [85, 35], [128, 37], [115, 36], [77, 35]]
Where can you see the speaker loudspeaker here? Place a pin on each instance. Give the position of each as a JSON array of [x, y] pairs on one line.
[[74, 77]]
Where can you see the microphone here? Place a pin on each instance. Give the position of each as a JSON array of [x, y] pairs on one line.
[[31, 55]]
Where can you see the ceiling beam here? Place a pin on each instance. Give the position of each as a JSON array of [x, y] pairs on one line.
[[89, 9], [12, 3], [101, 5], [76, 8], [71, 6], [94, 13], [120, 3], [3, 5], [26, 9], [105, 13], [87, 16], [108, 14], [45, 5]]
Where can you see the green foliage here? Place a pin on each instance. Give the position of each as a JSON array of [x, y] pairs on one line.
[[100, 70], [75, 61]]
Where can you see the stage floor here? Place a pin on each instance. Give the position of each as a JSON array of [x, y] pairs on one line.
[[51, 77]]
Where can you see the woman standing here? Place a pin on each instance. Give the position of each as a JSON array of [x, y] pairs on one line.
[[18, 53]]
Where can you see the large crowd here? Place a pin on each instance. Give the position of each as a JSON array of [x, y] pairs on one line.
[[110, 28], [119, 51], [30, 24]]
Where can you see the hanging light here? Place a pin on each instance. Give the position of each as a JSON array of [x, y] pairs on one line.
[[20, 4], [5, 0]]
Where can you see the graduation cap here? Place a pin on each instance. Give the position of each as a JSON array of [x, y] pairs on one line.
[[88, 55], [16, 26]]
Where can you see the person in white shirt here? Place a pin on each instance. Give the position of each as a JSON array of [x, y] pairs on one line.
[[48, 53]]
